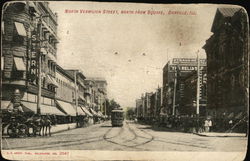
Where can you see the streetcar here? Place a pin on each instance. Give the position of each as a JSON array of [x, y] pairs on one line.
[[117, 117]]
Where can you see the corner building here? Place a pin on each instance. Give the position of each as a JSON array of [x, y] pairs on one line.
[[29, 30], [228, 66]]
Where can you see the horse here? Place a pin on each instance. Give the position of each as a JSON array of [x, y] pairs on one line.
[[46, 125], [34, 122]]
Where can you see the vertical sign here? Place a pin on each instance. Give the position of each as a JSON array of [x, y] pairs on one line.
[[34, 57]]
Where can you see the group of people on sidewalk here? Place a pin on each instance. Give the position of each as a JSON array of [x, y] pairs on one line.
[[196, 124]]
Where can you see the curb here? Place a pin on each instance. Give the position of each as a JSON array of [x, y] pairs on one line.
[[204, 135]]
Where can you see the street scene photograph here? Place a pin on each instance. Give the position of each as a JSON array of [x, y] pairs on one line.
[[123, 77]]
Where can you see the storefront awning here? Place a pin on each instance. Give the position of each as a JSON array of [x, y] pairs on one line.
[[93, 112], [86, 111], [100, 114], [67, 107], [19, 64], [20, 29], [80, 111], [52, 81], [45, 109], [8, 105]]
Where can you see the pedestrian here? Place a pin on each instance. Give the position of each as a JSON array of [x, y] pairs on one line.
[[209, 125], [206, 125], [230, 122]]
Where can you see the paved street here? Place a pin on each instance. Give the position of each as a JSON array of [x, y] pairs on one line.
[[130, 137]]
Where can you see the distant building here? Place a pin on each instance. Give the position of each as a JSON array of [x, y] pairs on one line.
[[99, 93], [139, 110], [172, 86], [65, 94], [228, 66], [80, 88]]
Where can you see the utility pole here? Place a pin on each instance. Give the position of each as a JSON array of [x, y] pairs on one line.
[[39, 82], [175, 82], [198, 86], [76, 92]]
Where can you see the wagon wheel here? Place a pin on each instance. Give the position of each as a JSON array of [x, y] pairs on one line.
[[37, 130], [22, 129], [12, 131]]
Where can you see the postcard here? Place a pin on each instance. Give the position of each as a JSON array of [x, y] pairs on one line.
[[124, 81]]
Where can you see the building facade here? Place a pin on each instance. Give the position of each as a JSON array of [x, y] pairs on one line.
[[99, 93], [173, 87], [29, 37], [227, 58], [189, 98]]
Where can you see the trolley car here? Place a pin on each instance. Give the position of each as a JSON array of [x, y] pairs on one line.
[[117, 117]]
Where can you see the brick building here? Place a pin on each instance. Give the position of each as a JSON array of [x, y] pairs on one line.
[[189, 99], [29, 34], [227, 58], [173, 87]]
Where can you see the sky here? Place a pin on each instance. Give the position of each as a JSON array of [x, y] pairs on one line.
[[129, 50]]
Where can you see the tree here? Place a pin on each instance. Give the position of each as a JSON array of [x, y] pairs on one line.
[[111, 105], [130, 113]]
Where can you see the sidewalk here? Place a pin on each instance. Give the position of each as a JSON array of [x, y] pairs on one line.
[[62, 127], [217, 134]]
